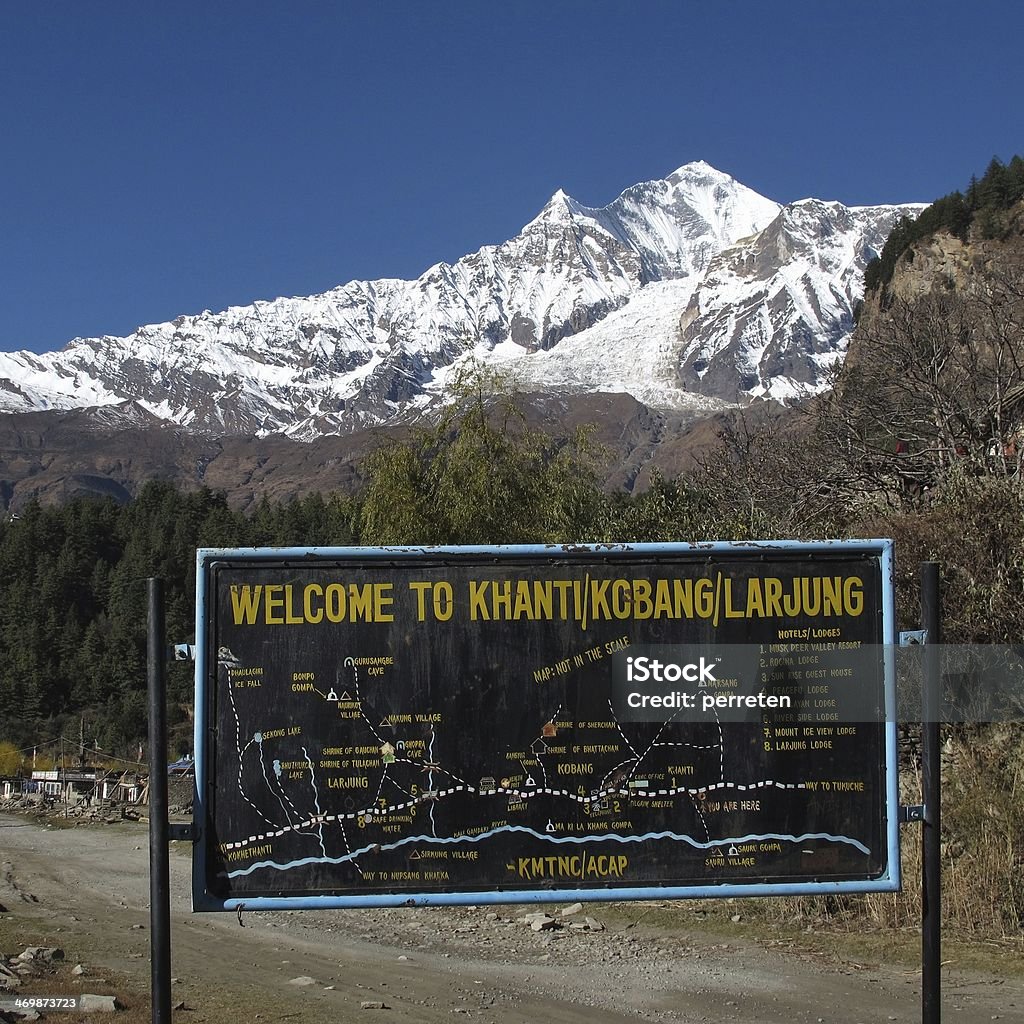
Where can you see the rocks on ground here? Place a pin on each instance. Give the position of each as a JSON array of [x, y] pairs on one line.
[[39, 968]]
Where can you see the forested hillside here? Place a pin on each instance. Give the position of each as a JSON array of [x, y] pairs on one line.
[[72, 617]]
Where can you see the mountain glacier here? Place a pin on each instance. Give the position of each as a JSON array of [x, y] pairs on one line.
[[691, 293]]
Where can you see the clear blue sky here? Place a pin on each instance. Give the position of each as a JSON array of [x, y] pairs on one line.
[[159, 159]]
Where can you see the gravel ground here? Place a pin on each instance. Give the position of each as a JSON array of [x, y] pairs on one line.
[[86, 889]]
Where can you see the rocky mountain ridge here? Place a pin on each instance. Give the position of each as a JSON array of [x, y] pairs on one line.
[[110, 452]]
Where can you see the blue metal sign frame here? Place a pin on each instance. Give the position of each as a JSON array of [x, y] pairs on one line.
[[205, 667]]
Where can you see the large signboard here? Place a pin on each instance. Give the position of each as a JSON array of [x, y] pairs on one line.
[[381, 727]]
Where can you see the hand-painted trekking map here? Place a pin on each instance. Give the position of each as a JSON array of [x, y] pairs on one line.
[[439, 725]]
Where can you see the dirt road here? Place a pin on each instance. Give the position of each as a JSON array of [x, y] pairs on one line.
[[431, 965]]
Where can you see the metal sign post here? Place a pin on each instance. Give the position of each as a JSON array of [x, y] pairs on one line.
[[931, 771], [159, 863]]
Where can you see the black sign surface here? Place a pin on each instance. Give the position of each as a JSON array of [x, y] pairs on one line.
[[382, 727]]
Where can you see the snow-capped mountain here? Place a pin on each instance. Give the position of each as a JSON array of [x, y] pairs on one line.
[[686, 292]]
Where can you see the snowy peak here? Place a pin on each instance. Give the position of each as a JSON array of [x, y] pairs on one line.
[[682, 290], [560, 209], [700, 170]]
